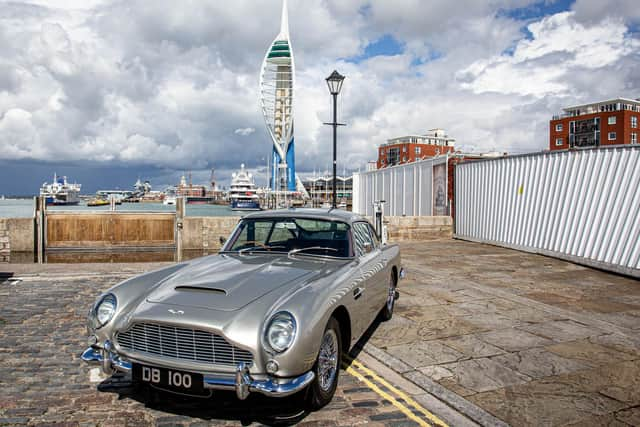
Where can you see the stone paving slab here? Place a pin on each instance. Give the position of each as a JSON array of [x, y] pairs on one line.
[[540, 341]]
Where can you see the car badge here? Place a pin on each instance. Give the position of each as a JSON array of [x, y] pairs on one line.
[[172, 311]]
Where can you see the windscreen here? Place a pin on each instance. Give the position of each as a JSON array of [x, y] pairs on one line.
[[293, 235]]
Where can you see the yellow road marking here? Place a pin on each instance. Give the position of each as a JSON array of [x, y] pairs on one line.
[[386, 396], [394, 390]]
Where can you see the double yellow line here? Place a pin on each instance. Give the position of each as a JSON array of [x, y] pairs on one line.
[[393, 395]]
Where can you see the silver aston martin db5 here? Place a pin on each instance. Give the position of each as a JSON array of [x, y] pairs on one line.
[[273, 312]]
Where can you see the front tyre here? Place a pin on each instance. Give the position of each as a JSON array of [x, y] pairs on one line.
[[387, 310], [327, 367]]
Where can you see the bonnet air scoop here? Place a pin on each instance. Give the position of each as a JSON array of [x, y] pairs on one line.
[[201, 289]]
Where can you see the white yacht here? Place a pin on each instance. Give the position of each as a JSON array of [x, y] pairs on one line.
[[169, 196], [242, 192]]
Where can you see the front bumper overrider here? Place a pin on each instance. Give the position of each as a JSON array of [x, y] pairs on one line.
[[241, 382]]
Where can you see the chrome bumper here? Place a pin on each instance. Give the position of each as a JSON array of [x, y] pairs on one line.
[[242, 382]]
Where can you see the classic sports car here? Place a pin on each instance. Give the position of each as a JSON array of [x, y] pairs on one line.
[[273, 312]]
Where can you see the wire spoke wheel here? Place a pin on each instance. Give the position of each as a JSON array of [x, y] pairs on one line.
[[328, 360], [391, 295]]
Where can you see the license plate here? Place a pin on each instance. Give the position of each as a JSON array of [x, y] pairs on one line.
[[170, 379]]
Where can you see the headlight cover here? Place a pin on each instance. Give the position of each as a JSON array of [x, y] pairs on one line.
[[104, 310], [281, 331]]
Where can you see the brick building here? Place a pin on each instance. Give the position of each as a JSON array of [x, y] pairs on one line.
[[407, 149], [612, 122]]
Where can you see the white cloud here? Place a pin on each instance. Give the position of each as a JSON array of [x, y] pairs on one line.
[[545, 64], [175, 85], [244, 131]]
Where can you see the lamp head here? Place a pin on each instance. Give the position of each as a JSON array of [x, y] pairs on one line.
[[334, 82]]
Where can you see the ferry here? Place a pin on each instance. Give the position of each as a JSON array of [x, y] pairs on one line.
[[60, 192], [242, 192]]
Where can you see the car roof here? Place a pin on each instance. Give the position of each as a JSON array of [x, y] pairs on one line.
[[326, 214]]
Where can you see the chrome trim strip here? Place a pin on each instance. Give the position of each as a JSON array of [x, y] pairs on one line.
[[242, 383]]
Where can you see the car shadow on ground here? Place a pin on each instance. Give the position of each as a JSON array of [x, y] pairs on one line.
[[221, 405], [224, 405]]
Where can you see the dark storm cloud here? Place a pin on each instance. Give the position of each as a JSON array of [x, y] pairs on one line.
[[164, 87]]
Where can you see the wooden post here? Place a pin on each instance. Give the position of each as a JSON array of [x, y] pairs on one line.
[[180, 212], [41, 225]]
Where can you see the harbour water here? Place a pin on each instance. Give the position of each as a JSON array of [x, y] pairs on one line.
[[24, 208]]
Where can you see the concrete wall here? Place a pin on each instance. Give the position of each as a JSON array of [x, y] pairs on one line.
[[21, 234], [4, 241], [408, 228], [203, 232]]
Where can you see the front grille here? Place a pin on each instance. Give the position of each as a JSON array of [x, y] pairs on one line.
[[181, 344]]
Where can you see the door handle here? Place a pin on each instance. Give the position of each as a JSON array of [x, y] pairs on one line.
[[357, 292]]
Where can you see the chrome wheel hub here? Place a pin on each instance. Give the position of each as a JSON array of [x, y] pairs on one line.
[[391, 296], [328, 360]]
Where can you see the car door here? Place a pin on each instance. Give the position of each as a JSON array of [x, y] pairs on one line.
[[380, 286], [368, 289]]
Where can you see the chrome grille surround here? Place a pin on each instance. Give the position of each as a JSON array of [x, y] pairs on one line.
[[179, 343]]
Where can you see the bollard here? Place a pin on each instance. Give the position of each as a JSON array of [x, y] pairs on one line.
[[378, 220], [180, 212]]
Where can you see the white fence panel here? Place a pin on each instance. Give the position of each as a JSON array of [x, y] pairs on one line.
[[407, 189], [583, 206]]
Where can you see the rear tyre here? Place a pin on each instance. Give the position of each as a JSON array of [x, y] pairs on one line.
[[387, 310], [326, 368]]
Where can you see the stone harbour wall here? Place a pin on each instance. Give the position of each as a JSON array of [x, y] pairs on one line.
[[4, 240], [203, 233], [413, 228]]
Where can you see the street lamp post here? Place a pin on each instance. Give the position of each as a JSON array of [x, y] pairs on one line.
[[334, 82]]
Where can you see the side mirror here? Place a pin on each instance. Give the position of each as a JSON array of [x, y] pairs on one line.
[[368, 247], [223, 240]]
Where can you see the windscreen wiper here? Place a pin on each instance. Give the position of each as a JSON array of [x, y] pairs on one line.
[[310, 248], [255, 248]]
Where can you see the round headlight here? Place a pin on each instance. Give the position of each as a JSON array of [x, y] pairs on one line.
[[105, 310], [281, 331]]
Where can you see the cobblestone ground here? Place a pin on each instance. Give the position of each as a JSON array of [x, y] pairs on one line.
[[43, 381]]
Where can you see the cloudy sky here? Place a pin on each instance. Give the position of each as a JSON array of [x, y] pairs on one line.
[[109, 91]]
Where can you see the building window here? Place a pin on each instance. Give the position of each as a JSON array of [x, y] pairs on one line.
[[559, 127], [634, 121], [404, 148], [404, 158], [612, 136], [612, 120], [559, 141], [634, 138], [418, 150]]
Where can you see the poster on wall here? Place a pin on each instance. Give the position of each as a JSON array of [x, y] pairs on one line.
[[440, 189]]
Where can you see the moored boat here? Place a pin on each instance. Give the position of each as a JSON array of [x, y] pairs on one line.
[[242, 193], [60, 192]]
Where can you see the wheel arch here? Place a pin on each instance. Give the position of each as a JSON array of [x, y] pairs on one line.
[[341, 314]]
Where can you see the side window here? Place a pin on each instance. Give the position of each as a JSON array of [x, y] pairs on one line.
[[361, 237], [374, 236]]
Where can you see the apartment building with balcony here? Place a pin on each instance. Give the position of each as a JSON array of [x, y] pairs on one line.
[[612, 122], [409, 148]]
